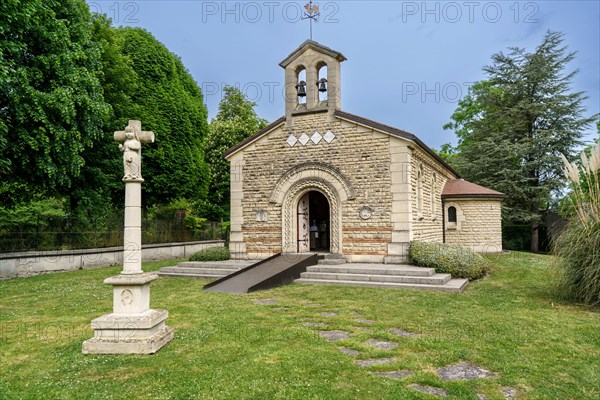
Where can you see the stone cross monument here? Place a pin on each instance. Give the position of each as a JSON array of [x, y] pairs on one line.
[[132, 327]]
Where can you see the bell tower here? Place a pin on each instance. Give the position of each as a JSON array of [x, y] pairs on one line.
[[312, 80]]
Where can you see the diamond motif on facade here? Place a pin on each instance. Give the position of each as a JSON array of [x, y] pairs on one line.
[[329, 136], [304, 139], [291, 140], [316, 137]]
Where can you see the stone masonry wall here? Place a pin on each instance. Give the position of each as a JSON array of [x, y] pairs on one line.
[[360, 154], [427, 222], [479, 224]]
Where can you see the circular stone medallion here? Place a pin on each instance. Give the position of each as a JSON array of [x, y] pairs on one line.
[[365, 212]]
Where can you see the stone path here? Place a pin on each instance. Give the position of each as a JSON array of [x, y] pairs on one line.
[[328, 314], [394, 374], [401, 332], [508, 393], [463, 371], [334, 336], [381, 344], [348, 351], [454, 372], [374, 361], [429, 390]]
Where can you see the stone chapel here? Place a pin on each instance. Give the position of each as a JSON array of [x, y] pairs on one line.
[[320, 179]]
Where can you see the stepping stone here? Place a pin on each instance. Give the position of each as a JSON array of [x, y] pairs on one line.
[[328, 314], [394, 374], [362, 328], [265, 301], [463, 371], [381, 344], [348, 351], [401, 332], [429, 390], [481, 396], [374, 361], [334, 336], [356, 314], [509, 393], [365, 321], [315, 324]]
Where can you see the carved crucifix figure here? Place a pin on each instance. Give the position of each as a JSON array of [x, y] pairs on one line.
[[132, 138]]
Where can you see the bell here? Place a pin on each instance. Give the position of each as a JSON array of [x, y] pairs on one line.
[[322, 85], [301, 89]]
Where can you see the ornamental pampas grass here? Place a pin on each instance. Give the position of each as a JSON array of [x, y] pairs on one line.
[[578, 246]]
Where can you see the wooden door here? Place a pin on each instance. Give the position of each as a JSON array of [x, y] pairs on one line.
[[303, 225]]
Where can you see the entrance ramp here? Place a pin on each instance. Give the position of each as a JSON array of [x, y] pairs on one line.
[[277, 270]]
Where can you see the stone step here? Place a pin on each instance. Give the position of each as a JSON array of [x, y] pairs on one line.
[[199, 271], [332, 261], [452, 286], [219, 265], [374, 269], [196, 276], [437, 279]]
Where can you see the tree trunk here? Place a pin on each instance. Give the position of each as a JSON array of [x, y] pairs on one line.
[[534, 224]]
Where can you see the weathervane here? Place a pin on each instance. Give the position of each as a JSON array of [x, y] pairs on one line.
[[312, 13]]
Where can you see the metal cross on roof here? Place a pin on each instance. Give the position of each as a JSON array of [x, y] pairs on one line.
[[312, 13]]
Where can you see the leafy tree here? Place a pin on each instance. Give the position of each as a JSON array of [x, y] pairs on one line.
[[51, 104], [513, 127], [235, 121], [98, 189], [167, 101]]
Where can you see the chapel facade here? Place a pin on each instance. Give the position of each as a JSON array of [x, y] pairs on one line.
[[320, 179]]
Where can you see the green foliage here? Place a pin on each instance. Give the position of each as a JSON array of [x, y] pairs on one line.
[[28, 215], [51, 102], [579, 264], [179, 209], [513, 127], [211, 254], [167, 101], [235, 121], [577, 246], [458, 261]]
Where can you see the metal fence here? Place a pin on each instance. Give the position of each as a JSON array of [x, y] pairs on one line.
[[60, 235]]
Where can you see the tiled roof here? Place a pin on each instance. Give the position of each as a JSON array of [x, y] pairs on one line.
[[315, 45], [396, 132], [462, 188]]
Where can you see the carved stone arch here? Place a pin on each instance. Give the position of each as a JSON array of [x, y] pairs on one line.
[[289, 223], [326, 172]]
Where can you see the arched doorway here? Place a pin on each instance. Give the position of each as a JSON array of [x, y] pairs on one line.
[[314, 223]]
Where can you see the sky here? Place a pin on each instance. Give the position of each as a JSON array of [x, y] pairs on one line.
[[409, 62]]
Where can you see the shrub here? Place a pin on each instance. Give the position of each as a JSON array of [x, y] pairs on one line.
[[211, 254], [578, 264], [458, 261]]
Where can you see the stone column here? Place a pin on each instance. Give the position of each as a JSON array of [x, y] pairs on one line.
[[132, 327]]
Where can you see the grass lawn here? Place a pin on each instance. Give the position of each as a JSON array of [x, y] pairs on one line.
[[228, 347]]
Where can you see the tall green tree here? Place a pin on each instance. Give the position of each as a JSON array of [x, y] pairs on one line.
[[513, 127], [51, 102], [169, 102], [235, 121]]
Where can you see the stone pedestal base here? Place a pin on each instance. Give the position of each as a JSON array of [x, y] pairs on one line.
[[132, 328], [144, 333]]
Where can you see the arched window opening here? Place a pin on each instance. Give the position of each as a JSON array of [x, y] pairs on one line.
[[452, 214], [301, 85], [322, 82], [432, 196], [420, 190]]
